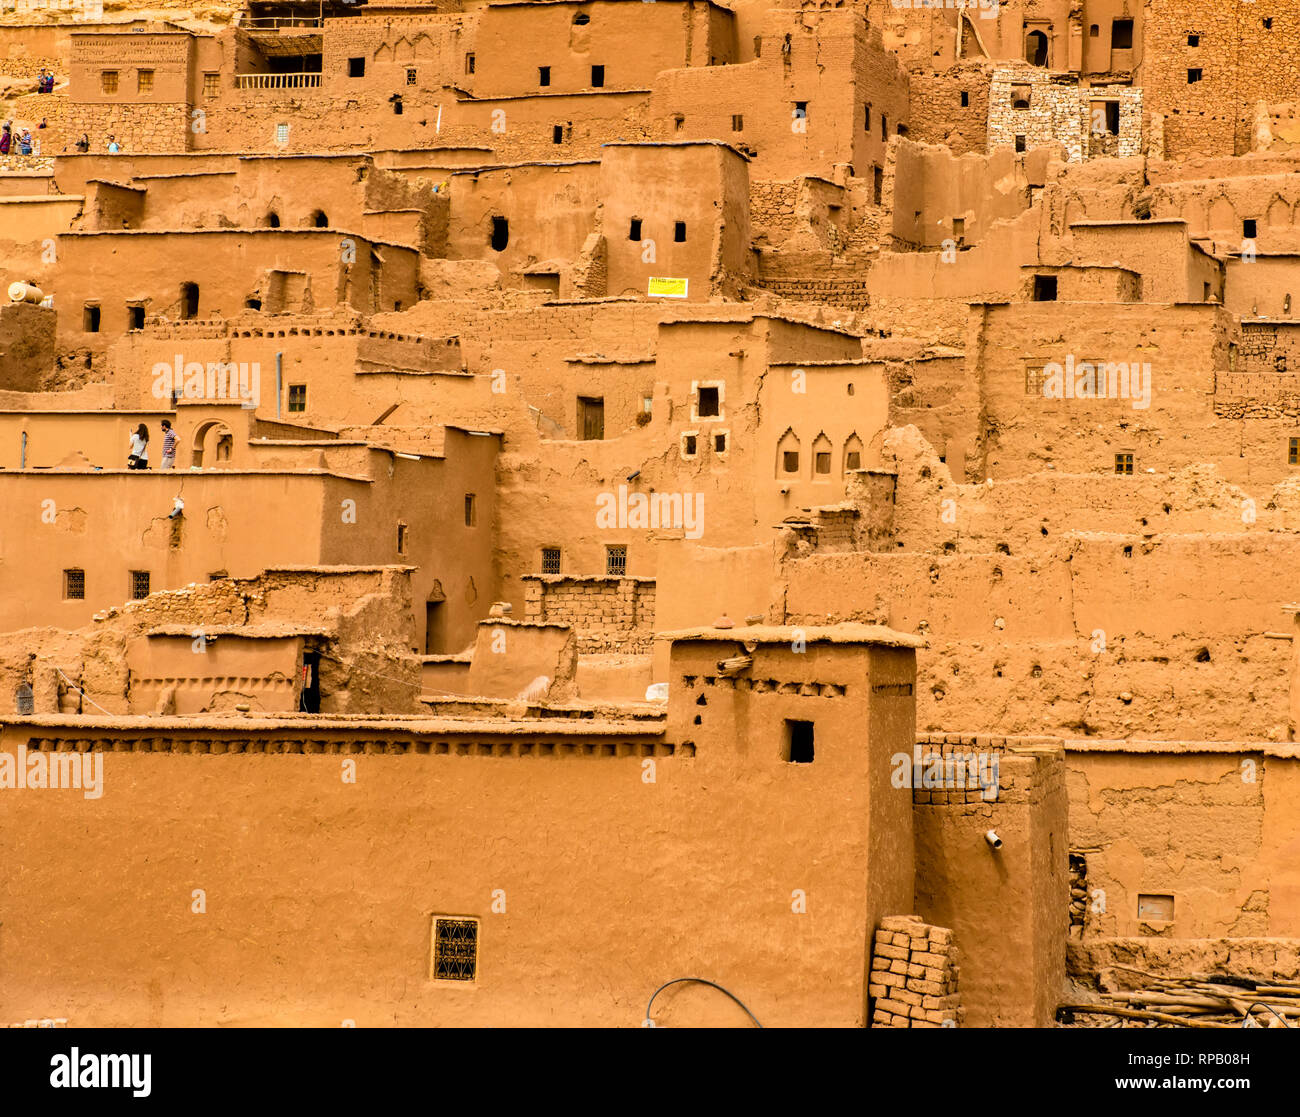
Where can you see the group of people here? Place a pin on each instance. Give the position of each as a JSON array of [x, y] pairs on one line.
[[139, 455], [20, 144], [44, 82]]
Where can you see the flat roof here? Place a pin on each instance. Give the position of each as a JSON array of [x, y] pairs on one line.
[[848, 633]]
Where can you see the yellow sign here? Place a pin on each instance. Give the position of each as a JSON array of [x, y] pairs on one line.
[[667, 288]]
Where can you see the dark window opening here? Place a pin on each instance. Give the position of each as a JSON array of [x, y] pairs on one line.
[[1112, 117], [398, 107], [455, 949], [273, 220], [634, 229], [90, 318], [866, 118], [616, 560], [1248, 228], [1094, 31], [135, 318], [551, 560], [737, 122], [1193, 75], [469, 63], [543, 75], [252, 303], [710, 404], [1020, 95], [189, 300], [557, 134], [1293, 451], [471, 510], [74, 582], [720, 443], [597, 76], [798, 742], [500, 234], [1268, 23], [1020, 143], [1193, 40], [1121, 34], [356, 67], [1044, 288], [690, 446], [319, 220], [1036, 48], [402, 537], [965, 99], [581, 19], [877, 184], [679, 231]]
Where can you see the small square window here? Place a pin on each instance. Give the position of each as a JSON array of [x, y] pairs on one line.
[[297, 397], [709, 406], [790, 461], [634, 229], [356, 67], [144, 81], [1248, 228], [1020, 143], [90, 318], [1293, 451], [135, 318], [550, 560], [679, 231], [403, 537], [410, 77], [469, 63], [1044, 288], [801, 110], [737, 122], [211, 84], [1193, 40], [616, 560], [543, 75], [108, 81], [822, 462], [455, 949], [139, 584], [1268, 23], [1193, 75], [690, 445], [74, 582], [853, 459], [719, 443], [1124, 463], [798, 745], [471, 510], [597, 77], [1121, 34]]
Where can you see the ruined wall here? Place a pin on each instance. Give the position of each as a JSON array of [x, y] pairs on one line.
[[607, 613]]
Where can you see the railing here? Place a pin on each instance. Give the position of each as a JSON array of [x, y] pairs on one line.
[[263, 23], [277, 81]]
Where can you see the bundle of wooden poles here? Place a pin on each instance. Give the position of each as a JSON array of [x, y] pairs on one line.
[[1202, 1001]]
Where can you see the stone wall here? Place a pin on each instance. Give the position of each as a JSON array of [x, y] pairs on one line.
[[1061, 111]]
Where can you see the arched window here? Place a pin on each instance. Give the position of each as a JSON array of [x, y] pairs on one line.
[[272, 220], [500, 234]]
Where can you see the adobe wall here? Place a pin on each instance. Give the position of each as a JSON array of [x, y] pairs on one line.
[[26, 346], [607, 614], [432, 781], [1014, 977]]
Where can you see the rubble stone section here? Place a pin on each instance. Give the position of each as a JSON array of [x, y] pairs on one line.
[[914, 975]]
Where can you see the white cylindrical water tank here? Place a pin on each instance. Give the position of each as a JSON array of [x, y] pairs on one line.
[[25, 293]]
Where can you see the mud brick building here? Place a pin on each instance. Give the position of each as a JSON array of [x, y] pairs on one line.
[[847, 449]]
